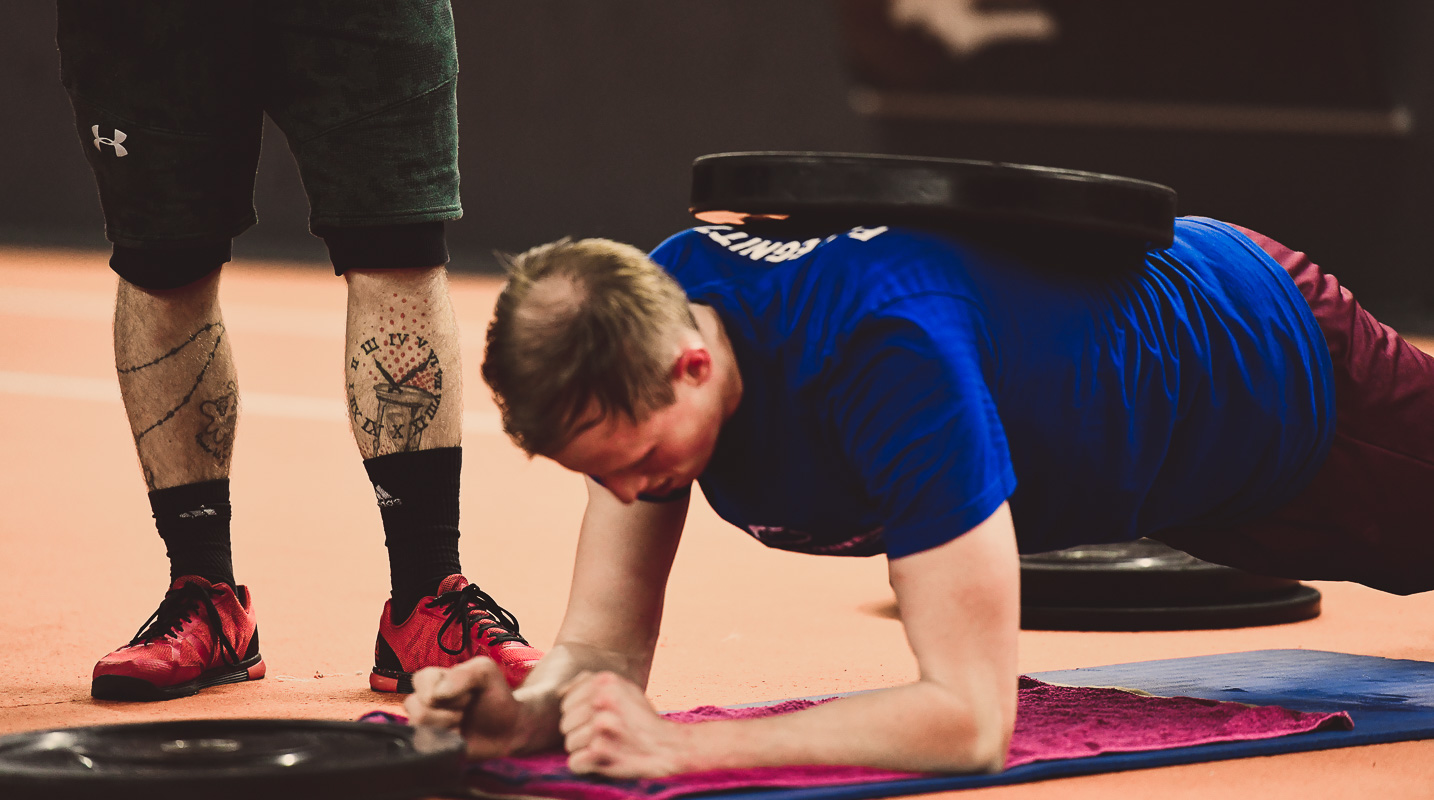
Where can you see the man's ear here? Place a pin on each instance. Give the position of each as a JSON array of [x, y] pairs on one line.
[[693, 364]]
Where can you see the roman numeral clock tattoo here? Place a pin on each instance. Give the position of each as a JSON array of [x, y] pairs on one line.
[[395, 386]]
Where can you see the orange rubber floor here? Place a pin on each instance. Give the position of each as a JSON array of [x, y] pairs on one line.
[[81, 566]]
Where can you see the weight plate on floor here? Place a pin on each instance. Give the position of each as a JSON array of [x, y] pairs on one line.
[[732, 188], [1291, 605], [1147, 585], [1139, 573], [218, 759]]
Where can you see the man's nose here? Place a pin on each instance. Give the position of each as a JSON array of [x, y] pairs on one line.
[[628, 489]]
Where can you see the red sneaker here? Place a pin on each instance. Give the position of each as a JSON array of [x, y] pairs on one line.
[[202, 635], [480, 627]]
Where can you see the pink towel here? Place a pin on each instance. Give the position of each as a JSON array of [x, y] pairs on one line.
[[1070, 722], [1052, 722]]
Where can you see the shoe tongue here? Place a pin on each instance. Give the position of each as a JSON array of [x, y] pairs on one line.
[[452, 583]]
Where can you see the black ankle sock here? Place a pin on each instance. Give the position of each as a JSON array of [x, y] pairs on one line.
[[193, 521], [418, 497]]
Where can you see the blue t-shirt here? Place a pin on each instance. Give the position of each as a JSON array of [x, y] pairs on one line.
[[899, 385]]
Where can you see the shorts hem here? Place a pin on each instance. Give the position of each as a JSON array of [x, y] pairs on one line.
[[161, 270], [180, 242], [414, 245]]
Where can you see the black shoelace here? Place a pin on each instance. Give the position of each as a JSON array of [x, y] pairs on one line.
[[177, 607], [472, 607]]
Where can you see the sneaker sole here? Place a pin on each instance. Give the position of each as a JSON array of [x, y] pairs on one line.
[[382, 680], [124, 687]]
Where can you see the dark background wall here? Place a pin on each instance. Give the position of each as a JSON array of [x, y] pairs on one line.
[[582, 117]]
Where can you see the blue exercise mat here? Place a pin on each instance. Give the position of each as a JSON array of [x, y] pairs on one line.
[[1390, 700]]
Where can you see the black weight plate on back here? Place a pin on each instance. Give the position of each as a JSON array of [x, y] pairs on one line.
[[897, 189], [219, 759], [1290, 605]]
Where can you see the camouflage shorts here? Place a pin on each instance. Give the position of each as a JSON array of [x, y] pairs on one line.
[[169, 98]]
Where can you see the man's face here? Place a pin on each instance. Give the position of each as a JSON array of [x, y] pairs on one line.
[[664, 452]]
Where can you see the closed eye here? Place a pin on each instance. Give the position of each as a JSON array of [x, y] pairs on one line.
[[642, 462]]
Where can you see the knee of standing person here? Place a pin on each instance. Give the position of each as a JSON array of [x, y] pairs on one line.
[[430, 281], [582, 331]]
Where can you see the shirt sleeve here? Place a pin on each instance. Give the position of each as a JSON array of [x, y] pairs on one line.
[[916, 418]]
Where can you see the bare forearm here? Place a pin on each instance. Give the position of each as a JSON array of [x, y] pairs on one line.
[[921, 727]]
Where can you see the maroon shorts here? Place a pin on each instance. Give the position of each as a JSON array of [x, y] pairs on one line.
[[1368, 515]]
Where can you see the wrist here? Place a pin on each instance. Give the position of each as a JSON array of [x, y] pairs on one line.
[[702, 746], [537, 727]]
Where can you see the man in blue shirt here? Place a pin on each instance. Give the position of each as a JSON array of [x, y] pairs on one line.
[[948, 401]]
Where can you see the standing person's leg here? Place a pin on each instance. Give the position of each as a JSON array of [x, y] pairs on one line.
[[377, 144], [177, 378], [173, 145], [404, 388]]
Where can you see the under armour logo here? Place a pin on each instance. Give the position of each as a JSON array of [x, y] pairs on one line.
[[119, 136]]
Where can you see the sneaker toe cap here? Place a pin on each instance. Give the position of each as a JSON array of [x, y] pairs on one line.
[[517, 660], [153, 663]]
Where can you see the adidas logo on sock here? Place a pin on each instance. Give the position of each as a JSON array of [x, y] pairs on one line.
[[385, 500], [202, 511]]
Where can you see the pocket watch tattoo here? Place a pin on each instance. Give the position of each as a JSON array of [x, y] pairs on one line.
[[395, 386]]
